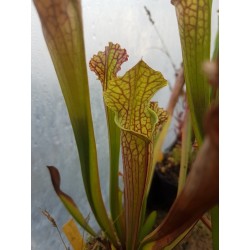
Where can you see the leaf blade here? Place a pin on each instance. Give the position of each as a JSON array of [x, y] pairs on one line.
[[148, 225], [194, 20], [63, 32], [67, 201], [106, 65], [128, 97], [73, 235], [185, 151]]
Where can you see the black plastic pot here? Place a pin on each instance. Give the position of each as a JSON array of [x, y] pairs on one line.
[[163, 190]]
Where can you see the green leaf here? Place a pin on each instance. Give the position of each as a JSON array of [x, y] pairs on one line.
[[194, 20], [68, 201], [106, 65], [214, 72], [148, 225], [185, 150], [129, 97], [63, 32], [216, 47]]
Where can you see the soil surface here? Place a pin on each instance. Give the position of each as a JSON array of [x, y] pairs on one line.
[[198, 239]]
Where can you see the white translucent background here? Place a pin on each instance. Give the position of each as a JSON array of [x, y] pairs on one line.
[[124, 22]]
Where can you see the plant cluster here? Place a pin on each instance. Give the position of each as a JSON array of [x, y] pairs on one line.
[[138, 127]]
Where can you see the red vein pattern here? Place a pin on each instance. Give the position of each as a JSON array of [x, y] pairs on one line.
[[106, 64], [137, 159], [128, 96], [162, 116], [60, 19], [194, 21]]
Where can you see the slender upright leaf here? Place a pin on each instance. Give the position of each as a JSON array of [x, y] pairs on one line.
[[106, 65], [128, 97], [63, 32], [185, 150], [194, 20]]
